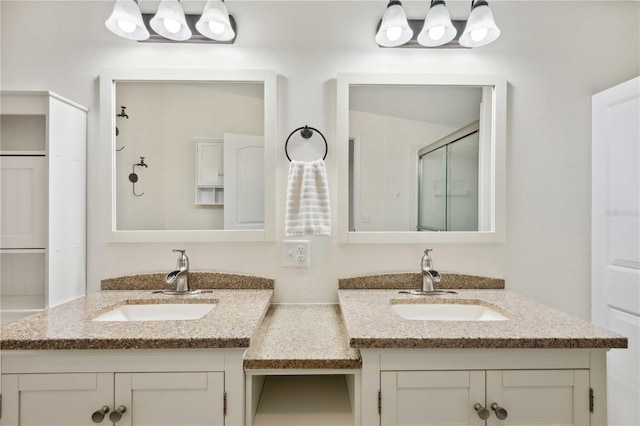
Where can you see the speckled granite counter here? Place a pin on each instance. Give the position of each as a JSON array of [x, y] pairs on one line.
[[371, 323], [413, 280], [201, 280], [233, 322], [302, 336]]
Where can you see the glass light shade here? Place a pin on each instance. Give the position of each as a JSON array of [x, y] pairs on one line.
[[394, 29], [437, 29], [126, 21], [170, 22], [214, 22], [481, 29]]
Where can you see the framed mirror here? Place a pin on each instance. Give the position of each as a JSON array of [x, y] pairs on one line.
[[190, 155], [421, 158]]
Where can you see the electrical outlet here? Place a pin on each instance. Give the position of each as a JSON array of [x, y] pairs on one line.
[[295, 254]]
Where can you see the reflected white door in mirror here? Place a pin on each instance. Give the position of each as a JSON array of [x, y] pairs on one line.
[[421, 158], [166, 111]]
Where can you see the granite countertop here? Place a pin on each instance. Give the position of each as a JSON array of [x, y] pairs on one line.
[[371, 323], [302, 336], [231, 324]]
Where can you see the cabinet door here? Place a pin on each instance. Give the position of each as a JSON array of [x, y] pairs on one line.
[[540, 397], [431, 397], [170, 398], [24, 213], [209, 165], [54, 399]]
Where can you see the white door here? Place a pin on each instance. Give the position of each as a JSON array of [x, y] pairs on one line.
[[431, 397], [538, 397], [55, 399], [24, 201], [170, 398], [244, 181], [615, 240]]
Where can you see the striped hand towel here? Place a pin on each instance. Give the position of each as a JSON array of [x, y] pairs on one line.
[[308, 210]]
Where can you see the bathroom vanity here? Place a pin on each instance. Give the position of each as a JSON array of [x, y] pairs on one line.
[[530, 364], [527, 364], [66, 367]]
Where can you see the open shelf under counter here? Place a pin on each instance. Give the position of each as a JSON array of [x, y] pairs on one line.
[[304, 400], [300, 369]]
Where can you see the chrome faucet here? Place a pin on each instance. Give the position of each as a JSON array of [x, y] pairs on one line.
[[181, 275], [429, 275]]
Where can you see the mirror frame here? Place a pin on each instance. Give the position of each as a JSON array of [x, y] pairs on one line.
[[498, 147], [108, 80]]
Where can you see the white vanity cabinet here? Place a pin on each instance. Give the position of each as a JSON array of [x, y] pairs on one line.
[[43, 201], [442, 387], [518, 397], [148, 398], [150, 387], [209, 171]]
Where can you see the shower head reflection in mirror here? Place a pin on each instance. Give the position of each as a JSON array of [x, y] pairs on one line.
[[421, 158], [172, 108]]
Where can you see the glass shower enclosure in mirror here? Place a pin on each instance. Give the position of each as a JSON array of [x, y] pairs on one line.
[[449, 184], [191, 154], [421, 158]]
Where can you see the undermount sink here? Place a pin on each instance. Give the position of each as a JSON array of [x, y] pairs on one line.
[[446, 312], [157, 312]]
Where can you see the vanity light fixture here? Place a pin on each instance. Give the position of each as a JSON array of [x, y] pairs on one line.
[[170, 21], [126, 21], [437, 29], [170, 24], [481, 28], [394, 29], [214, 22]]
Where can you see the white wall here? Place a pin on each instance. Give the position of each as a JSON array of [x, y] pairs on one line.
[[555, 55]]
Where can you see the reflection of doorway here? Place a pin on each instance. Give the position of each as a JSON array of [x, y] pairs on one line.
[[244, 181], [448, 185], [354, 182]]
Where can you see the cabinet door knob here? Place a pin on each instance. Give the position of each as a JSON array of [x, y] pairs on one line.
[[501, 413], [99, 414], [483, 413], [116, 415]]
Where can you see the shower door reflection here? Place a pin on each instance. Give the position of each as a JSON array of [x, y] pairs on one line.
[[448, 185]]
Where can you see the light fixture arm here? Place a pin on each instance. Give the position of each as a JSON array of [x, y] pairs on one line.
[[478, 3]]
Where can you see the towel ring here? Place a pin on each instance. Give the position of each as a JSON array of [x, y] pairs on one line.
[[306, 132]]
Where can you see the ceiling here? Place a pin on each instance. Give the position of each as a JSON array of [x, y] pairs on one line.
[[442, 105]]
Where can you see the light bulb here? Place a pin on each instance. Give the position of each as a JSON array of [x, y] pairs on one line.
[[436, 33], [394, 33], [479, 34], [172, 26], [216, 27], [126, 26]]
